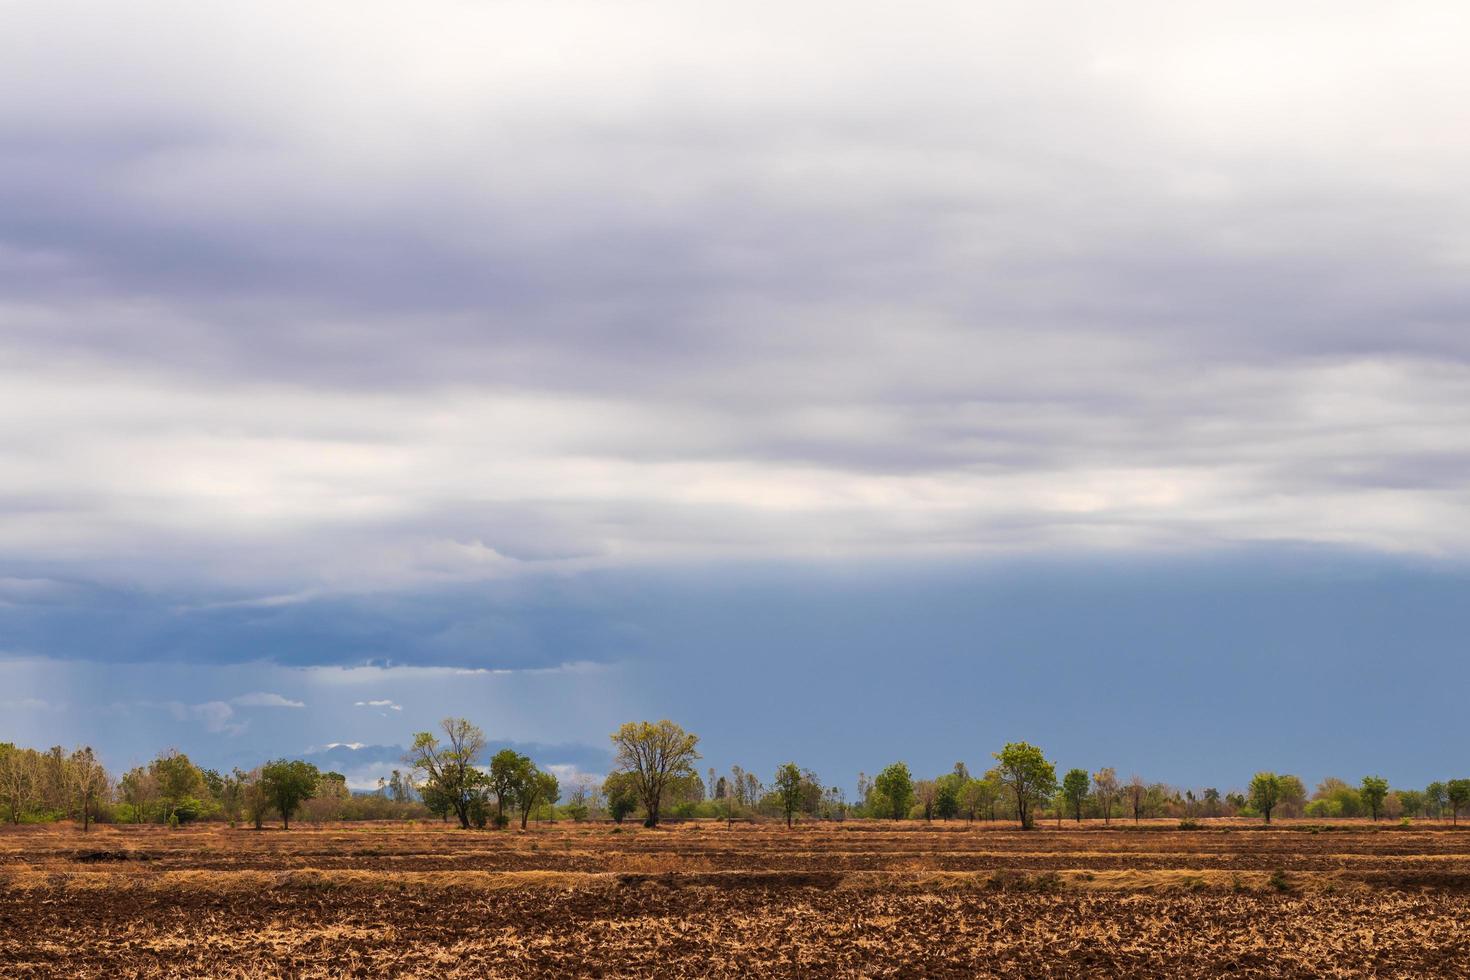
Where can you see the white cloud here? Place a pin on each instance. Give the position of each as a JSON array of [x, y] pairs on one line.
[[380, 703], [266, 699], [215, 716]]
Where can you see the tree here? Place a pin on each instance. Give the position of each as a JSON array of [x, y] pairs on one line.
[[1075, 786], [1293, 796], [788, 788], [654, 753], [1105, 788], [536, 787], [1212, 801], [253, 796], [976, 797], [510, 774], [1457, 791], [1412, 802], [894, 788], [89, 783], [179, 785], [1373, 790], [452, 770], [1137, 793], [947, 799], [287, 785], [1265, 792], [17, 779], [1435, 799], [1031, 779], [622, 795], [926, 792]]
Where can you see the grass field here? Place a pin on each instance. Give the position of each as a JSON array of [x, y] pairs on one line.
[[854, 899]]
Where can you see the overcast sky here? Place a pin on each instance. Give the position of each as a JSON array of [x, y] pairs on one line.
[[848, 381]]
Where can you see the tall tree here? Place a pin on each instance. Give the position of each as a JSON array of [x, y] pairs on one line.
[[535, 788], [1137, 793], [1435, 799], [1032, 780], [1457, 792], [17, 779], [179, 783], [89, 783], [510, 773], [788, 789], [1075, 787], [452, 769], [654, 753], [894, 788], [977, 796], [1372, 792], [947, 798], [287, 785], [1105, 787], [1265, 792], [926, 793]]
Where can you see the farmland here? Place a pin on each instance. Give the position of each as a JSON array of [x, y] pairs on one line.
[[853, 899]]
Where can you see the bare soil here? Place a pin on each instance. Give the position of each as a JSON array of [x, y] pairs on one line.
[[861, 899]]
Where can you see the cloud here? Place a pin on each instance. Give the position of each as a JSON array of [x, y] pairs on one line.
[[215, 716], [380, 703], [1056, 283], [264, 699]]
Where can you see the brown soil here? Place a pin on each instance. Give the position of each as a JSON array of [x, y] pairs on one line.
[[858, 899]]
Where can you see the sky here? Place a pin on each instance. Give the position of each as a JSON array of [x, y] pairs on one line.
[[849, 382]]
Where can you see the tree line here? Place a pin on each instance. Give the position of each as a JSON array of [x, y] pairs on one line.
[[450, 775]]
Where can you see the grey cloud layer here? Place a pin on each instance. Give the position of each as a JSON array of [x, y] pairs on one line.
[[354, 298]]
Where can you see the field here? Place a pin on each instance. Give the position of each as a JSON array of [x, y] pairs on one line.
[[848, 900]]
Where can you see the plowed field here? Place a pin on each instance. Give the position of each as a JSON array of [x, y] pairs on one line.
[[855, 899]]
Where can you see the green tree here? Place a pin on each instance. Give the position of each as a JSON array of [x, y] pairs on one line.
[[788, 789], [17, 779], [287, 785], [1457, 791], [451, 771], [947, 796], [894, 788], [1372, 792], [89, 783], [621, 792], [179, 783], [1265, 792], [977, 797], [510, 774], [1412, 801], [1075, 787], [1435, 799], [1031, 779], [654, 753], [536, 787]]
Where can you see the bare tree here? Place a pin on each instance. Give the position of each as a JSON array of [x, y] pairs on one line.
[[1105, 788], [1137, 795]]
